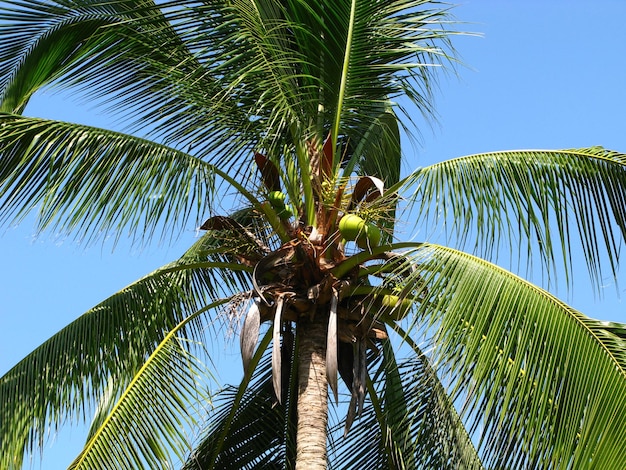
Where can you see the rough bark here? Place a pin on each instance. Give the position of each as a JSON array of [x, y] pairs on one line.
[[312, 393]]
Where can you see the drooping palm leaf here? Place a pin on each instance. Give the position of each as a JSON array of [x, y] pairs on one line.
[[409, 421], [148, 421], [521, 361], [249, 429], [107, 345], [92, 181], [128, 55], [104, 48], [544, 199]]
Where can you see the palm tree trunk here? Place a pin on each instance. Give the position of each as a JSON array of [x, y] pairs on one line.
[[312, 393]]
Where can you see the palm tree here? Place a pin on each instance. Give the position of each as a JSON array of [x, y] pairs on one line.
[[289, 108]]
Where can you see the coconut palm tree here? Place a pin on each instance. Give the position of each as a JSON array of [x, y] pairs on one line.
[[273, 125]]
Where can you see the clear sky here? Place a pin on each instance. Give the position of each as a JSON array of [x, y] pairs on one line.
[[545, 74]]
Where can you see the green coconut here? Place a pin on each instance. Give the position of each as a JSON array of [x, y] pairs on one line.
[[277, 199], [351, 226], [395, 307], [369, 237]]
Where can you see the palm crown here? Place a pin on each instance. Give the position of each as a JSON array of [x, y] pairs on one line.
[[290, 105]]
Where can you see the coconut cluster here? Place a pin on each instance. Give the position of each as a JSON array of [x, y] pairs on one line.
[[277, 200]]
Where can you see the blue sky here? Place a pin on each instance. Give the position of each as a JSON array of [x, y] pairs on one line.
[[543, 75]]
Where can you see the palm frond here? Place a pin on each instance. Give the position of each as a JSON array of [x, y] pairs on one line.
[[379, 149], [148, 421], [389, 49], [378, 153], [409, 421], [140, 59], [38, 43], [539, 383], [544, 199], [613, 335], [94, 181], [103, 47], [248, 429], [216, 77], [105, 347]]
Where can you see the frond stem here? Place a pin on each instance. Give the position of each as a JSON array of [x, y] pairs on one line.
[[344, 80]]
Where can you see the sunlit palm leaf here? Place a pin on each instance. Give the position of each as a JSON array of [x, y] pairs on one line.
[[545, 199], [614, 336], [150, 418], [103, 48], [388, 50], [521, 362], [125, 54], [106, 346], [230, 76], [38, 43], [92, 181], [378, 151]]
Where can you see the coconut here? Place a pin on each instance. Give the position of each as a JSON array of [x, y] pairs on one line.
[[277, 199], [369, 236], [395, 307], [351, 226]]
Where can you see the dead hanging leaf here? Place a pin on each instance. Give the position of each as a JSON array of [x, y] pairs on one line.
[[287, 354], [249, 335], [363, 187], [378, 333], [351, 415], [359, 371], [276, 357], [331, 346], [362, 374], [345, 352], [269, 172]]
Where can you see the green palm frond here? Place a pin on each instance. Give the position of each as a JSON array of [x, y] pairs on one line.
[[105, 48], [378, 152], [249, 429], [613, 335], [107, 345], [128, 55], [305, 68], [33, 56], [389, 50], [409, 421], [148, 421], [101, 47], [92, 181], [539, 383], [225, 77], [545, 199]]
